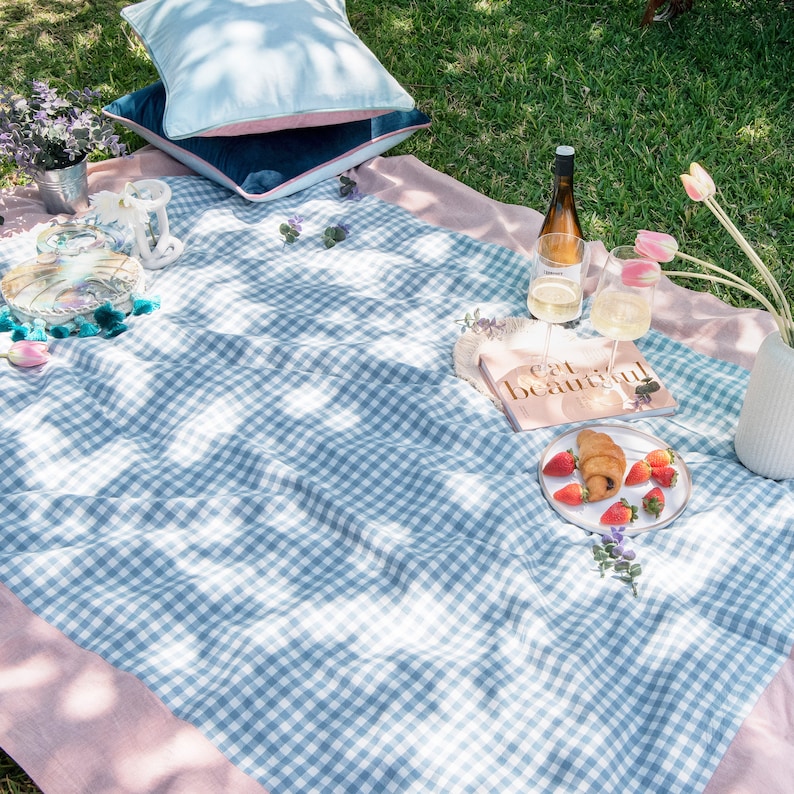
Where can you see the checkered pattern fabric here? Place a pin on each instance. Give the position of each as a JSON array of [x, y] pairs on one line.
[[273, 502]]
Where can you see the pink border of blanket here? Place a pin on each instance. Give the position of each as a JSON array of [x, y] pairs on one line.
[[80, 726]]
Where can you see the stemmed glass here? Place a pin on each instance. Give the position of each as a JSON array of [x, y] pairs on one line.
[[622, 303], [558, 272]]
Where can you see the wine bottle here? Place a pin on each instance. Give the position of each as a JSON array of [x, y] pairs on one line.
[[561, 217]]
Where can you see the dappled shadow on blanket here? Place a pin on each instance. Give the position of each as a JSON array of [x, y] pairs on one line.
[[273, 502]]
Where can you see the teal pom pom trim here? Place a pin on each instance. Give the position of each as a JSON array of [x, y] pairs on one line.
[[7, 321], [84, 328], [108, 321], [107, 317], [20, 332], [37, 333], [62, 331], [142, 305], [114, 330]]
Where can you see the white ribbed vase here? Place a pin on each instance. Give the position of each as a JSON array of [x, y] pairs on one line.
[[764, 439]]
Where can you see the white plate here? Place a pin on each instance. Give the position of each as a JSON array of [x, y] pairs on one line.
[[636, 445]]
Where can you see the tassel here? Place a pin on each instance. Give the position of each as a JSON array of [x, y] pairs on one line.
[[85, 328], [20, 332], [7, 321], [37, 333], [142, 305], [106, 316], [62, 331], [114, 330]]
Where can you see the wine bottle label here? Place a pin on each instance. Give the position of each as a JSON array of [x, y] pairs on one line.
[[568, 271]]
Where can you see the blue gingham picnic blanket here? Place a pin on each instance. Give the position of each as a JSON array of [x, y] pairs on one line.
[[273, 502]]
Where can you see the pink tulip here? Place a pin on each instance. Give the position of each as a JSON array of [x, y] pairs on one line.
[[27, 353], [656, 245], [698, 184], [640, 273]]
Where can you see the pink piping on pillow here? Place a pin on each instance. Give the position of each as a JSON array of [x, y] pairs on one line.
[[295, 122]]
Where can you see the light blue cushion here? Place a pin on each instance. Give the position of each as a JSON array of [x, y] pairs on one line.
[[266, 166], [233, 67]]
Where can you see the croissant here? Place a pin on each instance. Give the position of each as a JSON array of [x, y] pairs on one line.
[[602, 464]]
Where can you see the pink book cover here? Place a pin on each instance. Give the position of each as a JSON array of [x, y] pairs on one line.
[[572, 388]]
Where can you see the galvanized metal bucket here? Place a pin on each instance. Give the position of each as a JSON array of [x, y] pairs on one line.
[[64, 191]]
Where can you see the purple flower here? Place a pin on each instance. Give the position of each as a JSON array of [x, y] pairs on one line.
[[491, 327], [613, 554], [613, 536]]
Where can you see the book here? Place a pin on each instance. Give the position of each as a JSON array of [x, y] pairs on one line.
[[572, 388]]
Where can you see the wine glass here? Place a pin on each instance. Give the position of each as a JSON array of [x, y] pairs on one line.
[[622, 303], [559, 268]]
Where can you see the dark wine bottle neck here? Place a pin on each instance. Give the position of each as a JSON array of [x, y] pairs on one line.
[[563, 167]]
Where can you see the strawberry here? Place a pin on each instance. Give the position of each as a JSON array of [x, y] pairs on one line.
[[620, 513], [666, 476], [660, 457], [561, 465], [573, 494], [639, 472], [653, 501]]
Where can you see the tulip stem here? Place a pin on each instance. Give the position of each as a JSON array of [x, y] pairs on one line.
[[737, 280], [782, 325], [780, 298]]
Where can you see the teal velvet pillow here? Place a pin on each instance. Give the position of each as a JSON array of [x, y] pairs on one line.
[[236, 67], [273, 164]]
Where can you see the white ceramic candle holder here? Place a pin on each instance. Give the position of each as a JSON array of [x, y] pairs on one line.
[[155, 194]]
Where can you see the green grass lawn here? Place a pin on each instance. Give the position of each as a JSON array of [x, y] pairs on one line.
[[505, 81]]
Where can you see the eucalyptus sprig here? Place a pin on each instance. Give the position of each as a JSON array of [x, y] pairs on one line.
[[644, 391], [291, 230], [492, 327], [45, 131], [348, 189], [612, 553], [335, 234]]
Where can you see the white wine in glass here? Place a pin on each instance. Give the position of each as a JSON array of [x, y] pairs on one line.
[[622, 303], [554, 299], [621, 316], [559, 269]]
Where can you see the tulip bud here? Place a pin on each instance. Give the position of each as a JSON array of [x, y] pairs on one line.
[[27, 353], [698, 184], [640, 273], [656, 245]]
